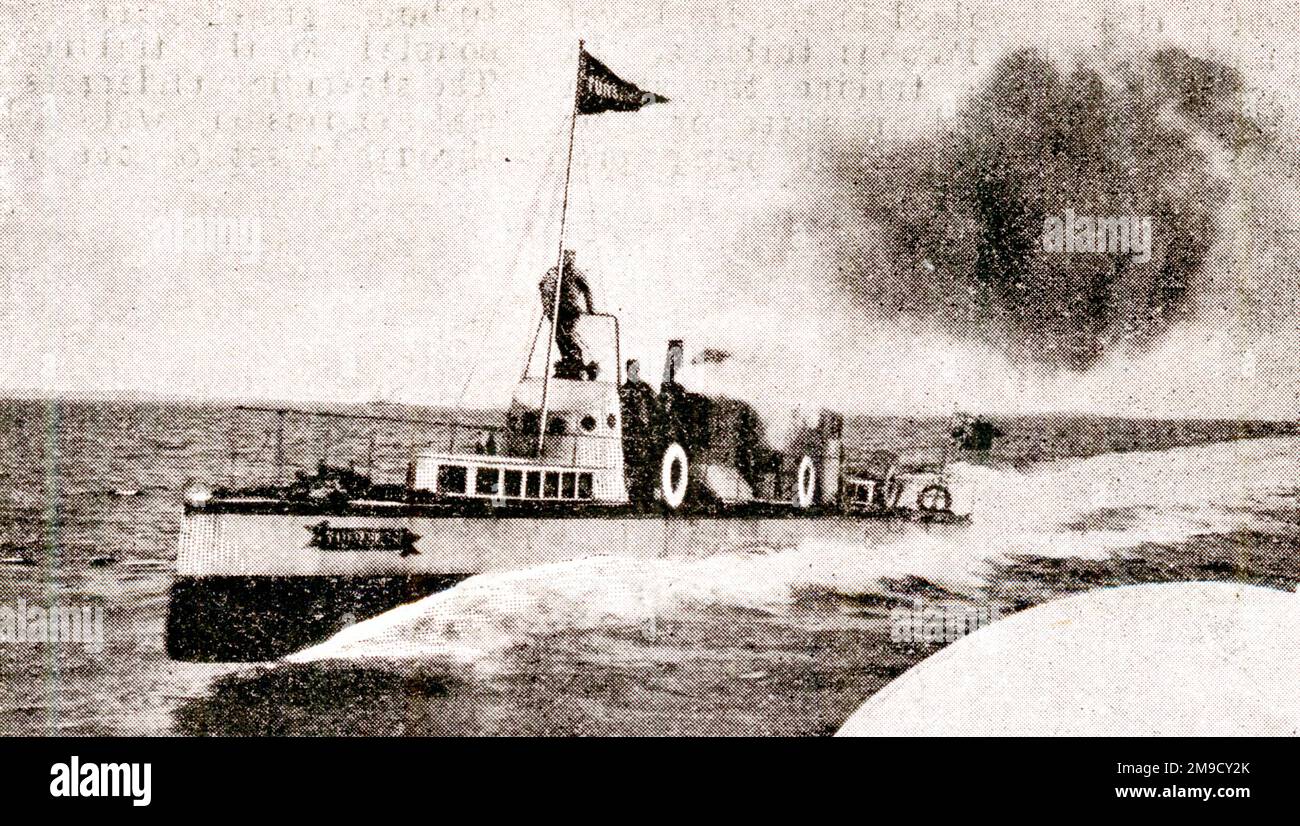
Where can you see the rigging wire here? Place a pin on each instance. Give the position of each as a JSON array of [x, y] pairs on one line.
[[605, 227], [596, 225], [538, 315], [542, 186]]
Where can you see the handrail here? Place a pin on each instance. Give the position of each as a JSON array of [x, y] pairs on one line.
[[618, 346], [266, 441], [598, 436], [368, 417]]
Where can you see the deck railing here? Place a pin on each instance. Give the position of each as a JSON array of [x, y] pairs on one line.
[[268, 445]]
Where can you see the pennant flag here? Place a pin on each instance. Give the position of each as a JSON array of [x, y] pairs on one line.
[[600, 90]]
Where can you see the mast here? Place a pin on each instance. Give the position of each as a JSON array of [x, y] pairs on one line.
[[559, 258]]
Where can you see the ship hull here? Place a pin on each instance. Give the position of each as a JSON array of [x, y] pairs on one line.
[[253, 586], [257, 618]]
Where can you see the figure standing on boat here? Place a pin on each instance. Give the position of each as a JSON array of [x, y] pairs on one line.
[[575, 299], [642, 439], [974, 433]]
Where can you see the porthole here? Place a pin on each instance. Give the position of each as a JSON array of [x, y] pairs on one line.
[[588, 423], [611, 421]]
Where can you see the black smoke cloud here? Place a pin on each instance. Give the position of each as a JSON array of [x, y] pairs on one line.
[[947, 228]]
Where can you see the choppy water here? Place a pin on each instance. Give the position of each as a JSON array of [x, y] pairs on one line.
[[782, 640]]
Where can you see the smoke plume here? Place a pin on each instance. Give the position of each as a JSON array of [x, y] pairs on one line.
[[948, 228]]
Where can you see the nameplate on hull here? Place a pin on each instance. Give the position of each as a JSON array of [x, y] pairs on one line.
[[329, 538]]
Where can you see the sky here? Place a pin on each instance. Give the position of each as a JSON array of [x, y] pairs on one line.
[[351, 202]]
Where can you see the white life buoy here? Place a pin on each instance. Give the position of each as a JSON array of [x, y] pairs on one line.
[[674, 465], [935, 497], [807, 480]]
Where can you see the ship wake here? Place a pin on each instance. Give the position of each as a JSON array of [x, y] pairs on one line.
[[1095, 509]]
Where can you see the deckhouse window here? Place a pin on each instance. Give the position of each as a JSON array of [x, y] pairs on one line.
[[552, 488], [584, 485], [514, 482], [534, 489], [568, 485], [487, 481], [451, 478]]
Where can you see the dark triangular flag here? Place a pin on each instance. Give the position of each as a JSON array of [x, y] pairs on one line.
[[600, 90]]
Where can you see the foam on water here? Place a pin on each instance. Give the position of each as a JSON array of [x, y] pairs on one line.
[[492, 612], [1090, 508], [1093, 507]]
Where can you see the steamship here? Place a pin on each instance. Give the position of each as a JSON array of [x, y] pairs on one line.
[[269, 566]]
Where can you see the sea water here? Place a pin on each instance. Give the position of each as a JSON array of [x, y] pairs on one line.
[[782, 638]]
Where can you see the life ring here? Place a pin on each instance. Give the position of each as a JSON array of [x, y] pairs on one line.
[[674, 491], [934, 498], [807, 480]]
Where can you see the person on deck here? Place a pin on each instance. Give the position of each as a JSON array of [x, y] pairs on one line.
[[974, 433], [575, 299], [640, 434]]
